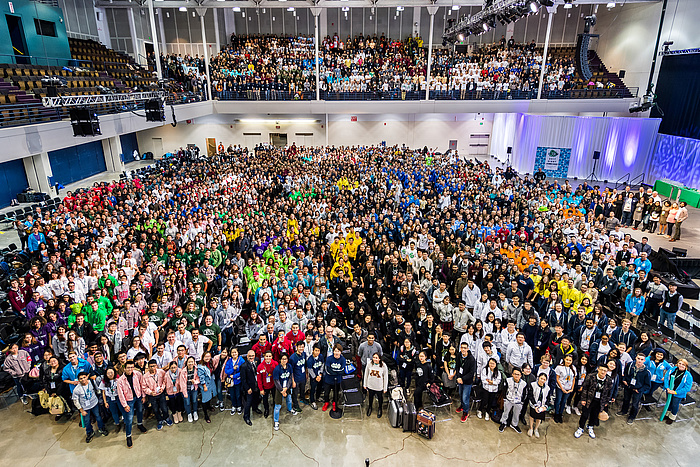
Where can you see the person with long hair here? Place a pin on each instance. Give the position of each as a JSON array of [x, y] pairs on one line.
[[232, 380], [376, 381], [490, 384], [677, 383], [189, 394], [207, 387], [108, 386], [175, 386]]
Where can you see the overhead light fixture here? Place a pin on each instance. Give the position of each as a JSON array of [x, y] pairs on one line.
[[455, 7], [568, 5], [183, 8], [346, 8], [291, 8], [399, 8], [533, 7], [485, 26], [275, 121], [237, 9], [611, 5], [461, 37]]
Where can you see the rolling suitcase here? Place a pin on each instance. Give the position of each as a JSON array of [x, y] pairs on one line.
[[425, 424], [395, 413], [409, 417]]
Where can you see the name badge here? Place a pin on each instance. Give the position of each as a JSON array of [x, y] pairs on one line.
[[597, 394], [633, 381], [267, 378], [53, 385]]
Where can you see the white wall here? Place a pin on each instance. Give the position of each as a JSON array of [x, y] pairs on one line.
[[628, 34], [415, 130]]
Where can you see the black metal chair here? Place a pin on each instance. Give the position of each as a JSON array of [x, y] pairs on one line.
[[695, 350], [696, 331], [696, 313], [683, 323], [683, 342], [352, 394]]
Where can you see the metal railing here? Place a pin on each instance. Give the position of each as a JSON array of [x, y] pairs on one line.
[[17, 59], [623, 181]]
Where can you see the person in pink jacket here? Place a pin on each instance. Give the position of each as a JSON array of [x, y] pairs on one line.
[[130, 392], [175, 386], [154, 390], [189, 393]]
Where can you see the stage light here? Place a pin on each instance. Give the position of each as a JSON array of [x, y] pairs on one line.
[[611, 5], [237, 9], [533, 7], [567, 5], [485, 26], [461, 37], [399, 8], [455, 7], [182, 8]]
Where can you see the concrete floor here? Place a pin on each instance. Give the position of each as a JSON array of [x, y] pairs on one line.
[[313, 438]]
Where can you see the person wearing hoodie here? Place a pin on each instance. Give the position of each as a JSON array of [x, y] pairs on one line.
[[17, 364], [175, 386], [636, 382], [466, 369], [490, 381], [376, 381], [153, 385], [298, 362], [334, 369], [315, 366], [232, 379], [265, 383], [677, 383], [424, 376], [408, 355], [283, 378], [463, 318], [658, 367], [85, 400], [130, 396]]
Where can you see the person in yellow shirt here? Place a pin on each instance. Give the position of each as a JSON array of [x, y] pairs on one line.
[[292, 228], [353, 243], [335, 247], [569, 296]]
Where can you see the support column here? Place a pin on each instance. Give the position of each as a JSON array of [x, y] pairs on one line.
[[415, 26], [161, 28], [38, 170], [216, 30], [323, 23], [316, 12], [112, 148], [431, 11], [201, 12], [551, 11], [156, 47], [132, 31]]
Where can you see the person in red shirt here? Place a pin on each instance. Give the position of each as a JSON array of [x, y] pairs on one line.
[[261, 347], [266, 384], [295, 335], [281, 346]]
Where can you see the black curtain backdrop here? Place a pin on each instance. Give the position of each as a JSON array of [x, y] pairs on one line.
[[678, 95]]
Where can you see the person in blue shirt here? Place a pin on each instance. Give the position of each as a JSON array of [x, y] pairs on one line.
[[314, 366], [636, 382], [232, 375], [74, 367], [659, 367], [35, 239], [642, 263], [634, 305], [334, 370], [298, 362], [283, 378], [677, 383]]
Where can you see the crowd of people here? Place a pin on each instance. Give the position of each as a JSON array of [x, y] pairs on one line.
[[270, 67], [259, 278]]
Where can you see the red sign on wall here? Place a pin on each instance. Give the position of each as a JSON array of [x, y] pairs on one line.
[[353, 118]]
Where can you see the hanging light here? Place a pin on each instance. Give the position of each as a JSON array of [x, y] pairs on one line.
[[237, 9], [399, 8], [533, 7], [611, 5], [455, 7], [183, 8], [291, 8]]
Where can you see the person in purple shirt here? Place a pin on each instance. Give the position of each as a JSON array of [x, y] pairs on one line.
[[35, 304]]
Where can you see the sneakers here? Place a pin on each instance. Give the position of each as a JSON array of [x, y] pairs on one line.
[[298, 409], [233, 411], [89, 437], [537, 433], [239, 410], [159, 426], [459, 410], [516, 428], [325, 406], [577, 411], [169, 422], [621, 413], [486, 417], [568, 410], [314, 406], [129, 442], [141, 428], [630, 421], [578, 432], [277, 426], [478, 414], [195, 416], [591, 433], [221, 407], [189, 418], [465, 416], [502, 427], [529, 432], [295, 412]]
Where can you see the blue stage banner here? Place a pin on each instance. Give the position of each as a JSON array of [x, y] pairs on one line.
[[554, 161]]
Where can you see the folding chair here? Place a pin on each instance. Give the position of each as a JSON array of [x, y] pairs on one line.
[[436, 404], [696, 313], [683, 342], [352, 394], [683, 323], [695, 350], [696, 331]]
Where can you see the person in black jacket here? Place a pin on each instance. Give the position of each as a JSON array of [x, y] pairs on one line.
[[636, 381], [466, 368], [249, 384], [424, 376]]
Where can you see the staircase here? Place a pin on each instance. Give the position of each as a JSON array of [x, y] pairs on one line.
[[596, 63]]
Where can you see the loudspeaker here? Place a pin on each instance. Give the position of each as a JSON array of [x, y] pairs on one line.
[[51, 91], [510, 150], [581, 57], [596, 155], [84, 122], [680, 252], [154, 110], [621, 73]]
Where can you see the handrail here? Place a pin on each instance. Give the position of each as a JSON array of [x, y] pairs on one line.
[[625, 183], [39, 60], [639, 178]]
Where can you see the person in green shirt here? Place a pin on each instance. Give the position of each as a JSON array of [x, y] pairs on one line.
[[212, 331], [102, 281], [158, 318], [97, 315], [75, 308]]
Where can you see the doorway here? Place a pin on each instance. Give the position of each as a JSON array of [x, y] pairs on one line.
[[157, 148], [278, 139], [211, 147], [149, 49], [19, 44]]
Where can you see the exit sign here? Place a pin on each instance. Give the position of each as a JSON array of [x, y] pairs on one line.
[[353, 118], [12, 7]]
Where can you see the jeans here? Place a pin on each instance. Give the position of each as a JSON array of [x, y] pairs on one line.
[[666, 317], [315, 392], [278, 407], [160, 409], [113, 407], [675, 404], [626, 218], [465, 391], [405, 377], [95, 411], [135, 405], [191, 401], [631, 403], [560, 401], [234, 392]]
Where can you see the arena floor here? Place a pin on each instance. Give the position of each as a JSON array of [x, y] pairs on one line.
[[313, 438]]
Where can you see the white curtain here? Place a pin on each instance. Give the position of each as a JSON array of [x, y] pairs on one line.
[[625, 144]]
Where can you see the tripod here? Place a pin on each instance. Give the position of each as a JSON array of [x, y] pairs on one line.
[[592, 176]]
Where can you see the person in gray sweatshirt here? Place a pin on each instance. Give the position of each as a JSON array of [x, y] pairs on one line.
[[376, 382], [85, 400], [368, 348]]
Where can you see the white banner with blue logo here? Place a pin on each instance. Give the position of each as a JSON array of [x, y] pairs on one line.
[[554, 161]]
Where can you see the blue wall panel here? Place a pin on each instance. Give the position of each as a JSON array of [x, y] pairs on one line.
[[78, 162], [13, 179], [129, 143]]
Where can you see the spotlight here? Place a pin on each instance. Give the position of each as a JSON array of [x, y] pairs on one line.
[[485, 26], [611, 5], [533, 7], [567, 4], [237, 9], [399, 8], [455, 7], [182, 8], [461, 37]]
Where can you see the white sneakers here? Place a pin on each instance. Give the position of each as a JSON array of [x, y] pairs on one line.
[[537, 433], [189, 418], [233, 411], [529, 432], [277, 426], [478, 414], [577, 411], [578, 432], [568, 409], [486, 417], [591, 433], [195, 416]]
